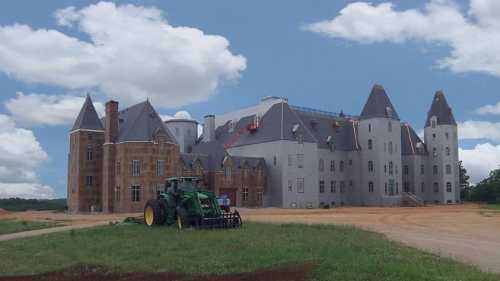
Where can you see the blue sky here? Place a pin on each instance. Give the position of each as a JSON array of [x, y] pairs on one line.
[[274, 50]]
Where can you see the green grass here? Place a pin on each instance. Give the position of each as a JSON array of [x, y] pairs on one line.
[[13, 226], [341, 253], [492, 206]]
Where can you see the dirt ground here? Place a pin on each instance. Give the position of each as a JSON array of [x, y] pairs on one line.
[[464, 232], [92, 273]]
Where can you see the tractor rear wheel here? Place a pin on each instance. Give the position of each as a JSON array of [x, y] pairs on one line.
[[154, 213]]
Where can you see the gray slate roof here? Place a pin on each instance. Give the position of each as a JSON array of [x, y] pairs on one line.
[[87, 118], [441, 110], [141, 122], [409, 141], [188, 160], [378, 104]]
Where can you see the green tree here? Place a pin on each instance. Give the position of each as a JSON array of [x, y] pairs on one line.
[[488, 190], [465, 188]]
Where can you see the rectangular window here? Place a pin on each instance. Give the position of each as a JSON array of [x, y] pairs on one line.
[[227, 172], [259, 196], [160, 168], [321, 165], [321, 186], [290, 185], [448, 187], [341, 166], [342, 187], [117, 193], [390, 147], [406, 186], [300, 185], [422, 169], [436, 187], [88, 180], [290, 160], [422, 187], [90, 154], [118, 168], [135, 193], [389, 126], [435, 170], [244, 194], [333, 186], [136, 168], [370, 187], [370, 166], [405, 169], [300, 160], [332, 166]]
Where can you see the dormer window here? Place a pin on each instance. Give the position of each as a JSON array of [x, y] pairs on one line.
[[433, 121], [388, 112]]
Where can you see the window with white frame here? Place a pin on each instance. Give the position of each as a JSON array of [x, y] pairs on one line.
[[448, 187], [244, 194], [136, 168], [135, 193], [160, 168], [300, 185], [300, 160]]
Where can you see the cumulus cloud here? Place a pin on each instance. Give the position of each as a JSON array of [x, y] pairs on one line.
[[493, 109], [47, 110], [20, 155], [473, 37], [479, 130], [132, 53], [480, 160], [181, 114]]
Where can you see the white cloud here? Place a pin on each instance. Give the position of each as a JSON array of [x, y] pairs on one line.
[[489, 109], [20, 155], [132, 53], [480, 160], [26, 190], [479, 130], [473, 38], [181, 114], [40, 109]]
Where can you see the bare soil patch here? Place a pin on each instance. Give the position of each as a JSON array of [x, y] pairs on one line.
[[467, 232], [3, 212], [96, 273]]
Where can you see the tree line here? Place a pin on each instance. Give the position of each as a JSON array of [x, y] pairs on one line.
[[487, 190]]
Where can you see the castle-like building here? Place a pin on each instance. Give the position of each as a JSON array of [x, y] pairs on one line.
[[270, 154]]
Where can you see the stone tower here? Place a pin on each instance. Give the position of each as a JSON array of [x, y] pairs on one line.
[[440, 136], [85, 161], [380, 140]]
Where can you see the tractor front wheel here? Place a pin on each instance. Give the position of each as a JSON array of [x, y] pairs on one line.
[[154, 213]]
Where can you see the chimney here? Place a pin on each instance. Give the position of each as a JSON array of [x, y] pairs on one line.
[[209, 128], [111, 122]]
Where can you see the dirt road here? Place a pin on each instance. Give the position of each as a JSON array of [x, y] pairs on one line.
[[463, 232], [70, 221]]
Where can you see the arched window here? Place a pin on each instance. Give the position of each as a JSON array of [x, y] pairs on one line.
[[370, 144], [370, 166], [448, 169], [448, 187], [370, 186]]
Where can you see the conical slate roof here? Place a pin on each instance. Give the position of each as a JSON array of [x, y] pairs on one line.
[[140, 122], [88, 118], [378, 105], [441, 110]]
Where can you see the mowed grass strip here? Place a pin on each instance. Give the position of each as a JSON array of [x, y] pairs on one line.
[[340, 253], [12, 226]]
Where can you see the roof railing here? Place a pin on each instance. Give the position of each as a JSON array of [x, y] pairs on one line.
[[321, 112]]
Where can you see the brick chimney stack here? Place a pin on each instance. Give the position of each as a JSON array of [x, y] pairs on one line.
[[111, 122]]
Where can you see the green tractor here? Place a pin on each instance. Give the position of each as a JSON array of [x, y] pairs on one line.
[[183, 203]]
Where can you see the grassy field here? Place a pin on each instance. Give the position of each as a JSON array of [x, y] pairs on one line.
[[492, 206], [12, 226], [340, 253]]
